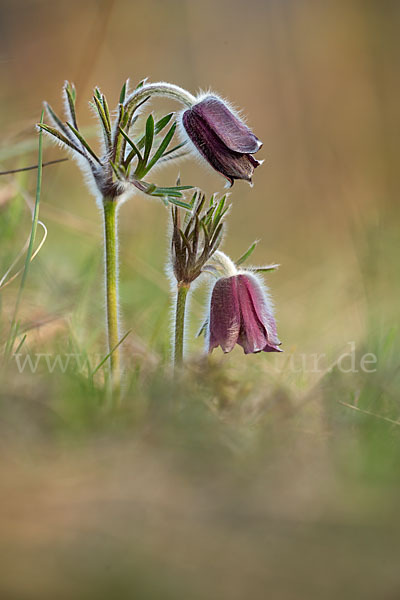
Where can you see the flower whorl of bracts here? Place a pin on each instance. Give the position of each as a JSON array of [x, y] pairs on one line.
[[196, 237], [123, 162]]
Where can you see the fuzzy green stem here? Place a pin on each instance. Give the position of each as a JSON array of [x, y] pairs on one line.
[[160, 89], [111, 276], [181, 297]]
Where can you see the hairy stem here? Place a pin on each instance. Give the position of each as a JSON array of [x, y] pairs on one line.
[[159, 89], [111, 277], [181, 297]]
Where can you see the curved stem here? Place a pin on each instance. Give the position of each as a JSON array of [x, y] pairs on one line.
[[111, 277], [181, 297], [160, 88]]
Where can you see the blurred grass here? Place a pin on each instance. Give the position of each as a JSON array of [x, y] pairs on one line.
[[254, 476]]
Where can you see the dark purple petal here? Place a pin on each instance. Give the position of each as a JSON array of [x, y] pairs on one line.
[[224, 318], [253, 336], [263, 310], [240, 313], [231, 165], [231, 131]]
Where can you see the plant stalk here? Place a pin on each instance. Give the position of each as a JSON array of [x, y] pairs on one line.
[[181, 298], [111, 284], [160, 88]]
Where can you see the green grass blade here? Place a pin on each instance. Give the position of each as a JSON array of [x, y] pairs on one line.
[[35, 218], [105, 359]]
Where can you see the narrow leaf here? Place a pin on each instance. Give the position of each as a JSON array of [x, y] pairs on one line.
[[132, 144], [57, 120], [247, 254], [141, 83], [158, 127], [266, 268], [84, 142], [54, 132], [104, 122], [106, 110], [71, 96], [123, 92], [174, 149], [148, 143], [161, 148]]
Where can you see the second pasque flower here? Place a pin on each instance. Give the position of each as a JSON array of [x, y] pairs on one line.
[[240, 313]]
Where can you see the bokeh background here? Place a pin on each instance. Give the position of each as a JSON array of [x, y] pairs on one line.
[[259, 476]]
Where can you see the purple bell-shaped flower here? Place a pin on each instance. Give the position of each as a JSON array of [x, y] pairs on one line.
[[240, 313], [221, 138]]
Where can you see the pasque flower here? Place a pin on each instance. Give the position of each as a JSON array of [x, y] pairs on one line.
[[225, 142], [240, 313]]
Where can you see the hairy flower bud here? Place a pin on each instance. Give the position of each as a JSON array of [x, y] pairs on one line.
[[240, 313], [225, 142]]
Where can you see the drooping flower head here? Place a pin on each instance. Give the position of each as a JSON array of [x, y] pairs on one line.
[[221, 138], [240, 312]]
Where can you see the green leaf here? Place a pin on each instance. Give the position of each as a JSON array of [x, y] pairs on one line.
[[123, 92], [266, 268], [159, 126], [247, 254], [173, 200], [115, 169], [106, 110], [135, 149], [57, 120], [185, 241], [54, 132], [141, 83], [218, 210], [104, 122], [84, 143], [71, 97], [161, 148], [149, 136], [217, 237], [163, 122], [172, 151], [97, 93], [117, 141], [179, 188], [73, 92]]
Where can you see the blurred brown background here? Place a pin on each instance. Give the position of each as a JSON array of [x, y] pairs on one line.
[[187, 506]]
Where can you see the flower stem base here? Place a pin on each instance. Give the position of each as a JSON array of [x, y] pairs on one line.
[[181, 298]]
